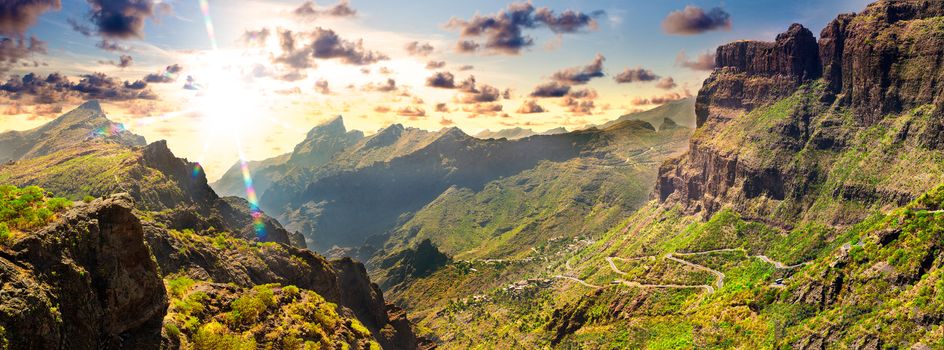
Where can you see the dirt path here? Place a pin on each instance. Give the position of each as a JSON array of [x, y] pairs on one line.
[[615, 269], [719, 280], [580, 281]]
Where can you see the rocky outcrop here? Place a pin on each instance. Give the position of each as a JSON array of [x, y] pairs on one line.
[[86, 281], [886, 61], [750, 74]]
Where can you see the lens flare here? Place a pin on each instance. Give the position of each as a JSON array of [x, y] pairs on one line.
[[254, 210]]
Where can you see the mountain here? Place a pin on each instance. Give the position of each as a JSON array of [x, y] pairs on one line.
[[511, 134], [516, 133], [805, 213], [212, 254], [681, 112], [85, 123]]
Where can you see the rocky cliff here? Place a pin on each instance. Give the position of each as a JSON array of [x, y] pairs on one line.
[[796, 124], [86, 281]]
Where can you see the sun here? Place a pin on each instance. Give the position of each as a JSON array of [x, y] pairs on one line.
[[227, 104]]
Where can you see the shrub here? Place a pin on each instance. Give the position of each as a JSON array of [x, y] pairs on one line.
[[88, 199], [27, 208]]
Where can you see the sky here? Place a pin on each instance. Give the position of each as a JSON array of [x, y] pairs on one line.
[[224, 80]]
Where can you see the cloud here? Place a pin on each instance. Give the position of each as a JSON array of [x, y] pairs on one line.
[[466, 46], [169, 75], [255, 38], [704, 61], [389, 85], [694, 20], [435, 64], [108, 45], [18, 15], [632, 75], [466, 67], [124, 61], [445, 121], [309, 11], [483, 108], [15, 50], [412, 112], [577, 107], [442, 80], [122, 19], [321, 86], [472, 94], [56, 88], [661, 99], [415, 48], [550, 89], [666, 83], [381, 109], [530, 106], [80, 28], [328, 45], [442, 108], [503, 31], [581, 75], [586, 93]]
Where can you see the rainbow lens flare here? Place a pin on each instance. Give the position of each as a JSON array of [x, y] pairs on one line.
[[254, 210], [109, 130]]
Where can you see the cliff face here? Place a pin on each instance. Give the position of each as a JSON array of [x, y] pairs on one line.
[[780, 121], [85, 282]]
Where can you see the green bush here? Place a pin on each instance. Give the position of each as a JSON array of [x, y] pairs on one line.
[[88, 199], [27, 208]]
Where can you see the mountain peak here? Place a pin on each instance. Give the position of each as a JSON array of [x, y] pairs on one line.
[[92, 105], [334, 126]]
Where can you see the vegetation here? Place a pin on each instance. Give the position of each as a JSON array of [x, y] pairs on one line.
[[23, 209], [213, 316]]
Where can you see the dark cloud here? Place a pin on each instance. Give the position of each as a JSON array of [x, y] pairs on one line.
[[530, 106], [108, 45], [632, 75], [341, 9], [666, 83], [16, 50], [435, 64], [473, 94], [506, 94], [569, 21], [581, 75], [121, 19], [694, 20], [503, 31], [415, 48], [291, 56], [18, 15], [442, 80], [124, 61], [466, 67], [551, 89], [704, 61], [56, 88], [327, 44], [169, 75]]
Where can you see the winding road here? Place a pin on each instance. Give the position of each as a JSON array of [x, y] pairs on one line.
[[719, 276]]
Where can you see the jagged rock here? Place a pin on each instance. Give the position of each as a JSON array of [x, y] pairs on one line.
[[86, 281]]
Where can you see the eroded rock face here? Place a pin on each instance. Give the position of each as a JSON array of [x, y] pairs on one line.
[[750, 74], [865, 70], [84, 282]]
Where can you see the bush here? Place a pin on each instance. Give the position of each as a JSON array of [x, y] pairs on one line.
[[88, 199], [27, 208]]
